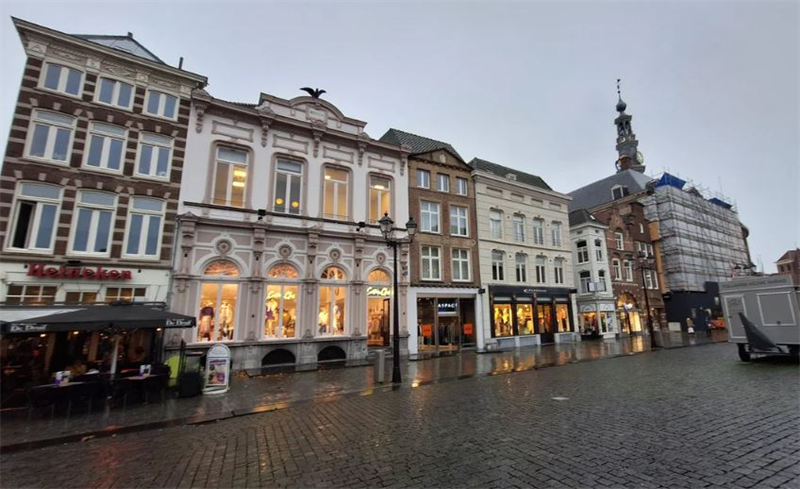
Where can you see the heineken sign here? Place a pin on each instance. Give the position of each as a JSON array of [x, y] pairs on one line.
[[79, 273]]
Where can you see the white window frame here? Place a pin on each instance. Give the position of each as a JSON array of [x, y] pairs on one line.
[[598, 250], [442, 182], [619, 240], [114, 93], [233, 167], [162, 104], [454, 214], [538, 231], [52, 129], [39, 297], [498, 265], [627, 270], [432, 211], [423, 178], [132, 288], [496, 225], [12, 225], [157, 147], [63, 77], [459, 182], [146, 213], [431, 258], [585, 282], [518, 221], [457, 261], [380, 192], [335, 187], [648, 279], [558, 270], [555, 234], [96, 129], [95, 209], [540, 267], [521, 268], [583, 251], [290, 177], [616, 265]]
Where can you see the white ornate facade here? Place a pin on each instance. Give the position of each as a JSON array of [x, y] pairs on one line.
[[279, 254]]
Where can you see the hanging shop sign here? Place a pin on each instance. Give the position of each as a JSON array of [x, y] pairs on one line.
[[41, 270], [379, 291], [218, 369]]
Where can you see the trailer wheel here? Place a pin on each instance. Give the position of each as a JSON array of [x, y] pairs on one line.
[[794, 350], [744, 355]]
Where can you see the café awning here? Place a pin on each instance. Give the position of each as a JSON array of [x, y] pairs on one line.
[[105, 317]]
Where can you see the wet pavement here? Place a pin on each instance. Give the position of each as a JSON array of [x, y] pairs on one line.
[[250, 395]]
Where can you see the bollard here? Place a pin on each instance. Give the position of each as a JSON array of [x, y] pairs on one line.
[[380, 366]]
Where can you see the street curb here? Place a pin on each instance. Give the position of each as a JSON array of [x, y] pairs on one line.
[[236, 413]]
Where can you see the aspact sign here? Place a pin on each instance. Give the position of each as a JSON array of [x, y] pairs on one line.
[[78, 273]]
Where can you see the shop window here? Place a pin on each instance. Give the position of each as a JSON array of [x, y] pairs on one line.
[[161, 104], [544, 318], [288, 187], [155, 152], [583, 252], [430, 217], [502, 320], [281, 303], [35, 214], [423, 179], [145, 220], [460, 262], [496, 224], [335, 193], [80, 297], [125, 294], [538, 231], [519, 228], [462, 186], [218, 301], [378, 310], [332, 301], [521, 267], [525, 318], [380, 197], [555, 232], [106, 147], [230, 177], [431, 263], [93, 222], [62, 79], [50, 136], [31, 294], [497, 265], [114, 92], [541, 271], [458, 221], [558, 270], [563, 319], [442, 182]]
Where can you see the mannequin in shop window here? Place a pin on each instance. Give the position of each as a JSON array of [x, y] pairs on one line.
[[323, 320], [272, 306], [226, 321], [206, 321]]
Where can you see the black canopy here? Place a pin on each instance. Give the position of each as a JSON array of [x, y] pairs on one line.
[[111, 317]]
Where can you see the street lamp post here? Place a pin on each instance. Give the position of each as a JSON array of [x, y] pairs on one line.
[[387, 229], [643, 260]]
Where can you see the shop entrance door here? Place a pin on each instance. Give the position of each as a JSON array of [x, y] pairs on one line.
[[449, 333], [378, 323], [544, 322]]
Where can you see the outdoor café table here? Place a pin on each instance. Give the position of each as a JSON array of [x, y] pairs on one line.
[[61, 392], [136, 382]]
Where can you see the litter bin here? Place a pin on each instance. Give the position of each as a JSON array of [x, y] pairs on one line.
[[380, 367]]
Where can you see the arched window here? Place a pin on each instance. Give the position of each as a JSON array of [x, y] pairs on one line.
[[379, 293], [282, 302], [332, 301], [219, 293]]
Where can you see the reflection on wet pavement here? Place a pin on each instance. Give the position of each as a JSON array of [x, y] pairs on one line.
[[278, 391]]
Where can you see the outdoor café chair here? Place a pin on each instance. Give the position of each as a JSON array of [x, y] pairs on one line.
[[80, 392], [155, 384], [42, 396]]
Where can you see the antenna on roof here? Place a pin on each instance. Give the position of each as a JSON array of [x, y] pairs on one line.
[[180, 63]]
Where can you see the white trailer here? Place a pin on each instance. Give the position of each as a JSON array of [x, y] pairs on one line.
[[762, 314]]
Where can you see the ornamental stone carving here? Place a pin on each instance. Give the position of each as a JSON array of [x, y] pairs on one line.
[[318, 129], [363, 142], [201, 100]]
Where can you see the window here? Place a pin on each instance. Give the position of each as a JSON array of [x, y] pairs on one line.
[[154, 155], [423, 179], [617, 192], [31, 294], [555, 230], [280, 305], [442, 182], [51, 135], [627, 267], [601, 284], [93, 222], [332, 299], [125, 294], [648, 279], [80, 297], [460, 263], [521, 267], [618, 241], [62, 79], [496, 224], [380, 197], [541, 271], [335, 198], [617, 269], [583, 252], [161, 104], [641, 228], [462, 186], [430, 217], [649, 250], [230, 177], [538, 231], [35, 217], [598, 249], [106, 147], [145, 218], [497, 265], [458, 221], [288, 183], [219, 293], [586, 280], [655, 279], [641, 249], [116, 93], [558, 270], [431, 263], [519, 228]]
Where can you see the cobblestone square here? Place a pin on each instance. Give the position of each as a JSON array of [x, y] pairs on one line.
[[690, 417]]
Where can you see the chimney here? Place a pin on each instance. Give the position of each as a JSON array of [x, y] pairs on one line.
[[180, 63], [130, 34]]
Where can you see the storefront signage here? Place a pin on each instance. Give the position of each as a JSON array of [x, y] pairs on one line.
[[427, 330], [80, 273], [27, 328], [218, 369], [447, 307], [180, 323], [468, 329], [535, 291], [379, 291]]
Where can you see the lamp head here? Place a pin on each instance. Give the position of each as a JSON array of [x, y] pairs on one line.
[[411, 227], [386, 224]]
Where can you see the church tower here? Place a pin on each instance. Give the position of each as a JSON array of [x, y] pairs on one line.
[[627, 146]]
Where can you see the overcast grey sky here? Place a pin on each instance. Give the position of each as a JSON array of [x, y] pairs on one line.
[[712, 87]]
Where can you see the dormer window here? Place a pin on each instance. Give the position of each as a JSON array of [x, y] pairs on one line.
[[511, 176], [617, 192]]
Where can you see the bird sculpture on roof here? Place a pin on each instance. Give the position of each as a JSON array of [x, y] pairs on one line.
[[314, 92]]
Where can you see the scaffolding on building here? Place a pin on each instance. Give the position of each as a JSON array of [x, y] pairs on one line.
[[700, 232]]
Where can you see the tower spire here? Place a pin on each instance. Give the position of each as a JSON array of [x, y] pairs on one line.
[[627, 146]]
